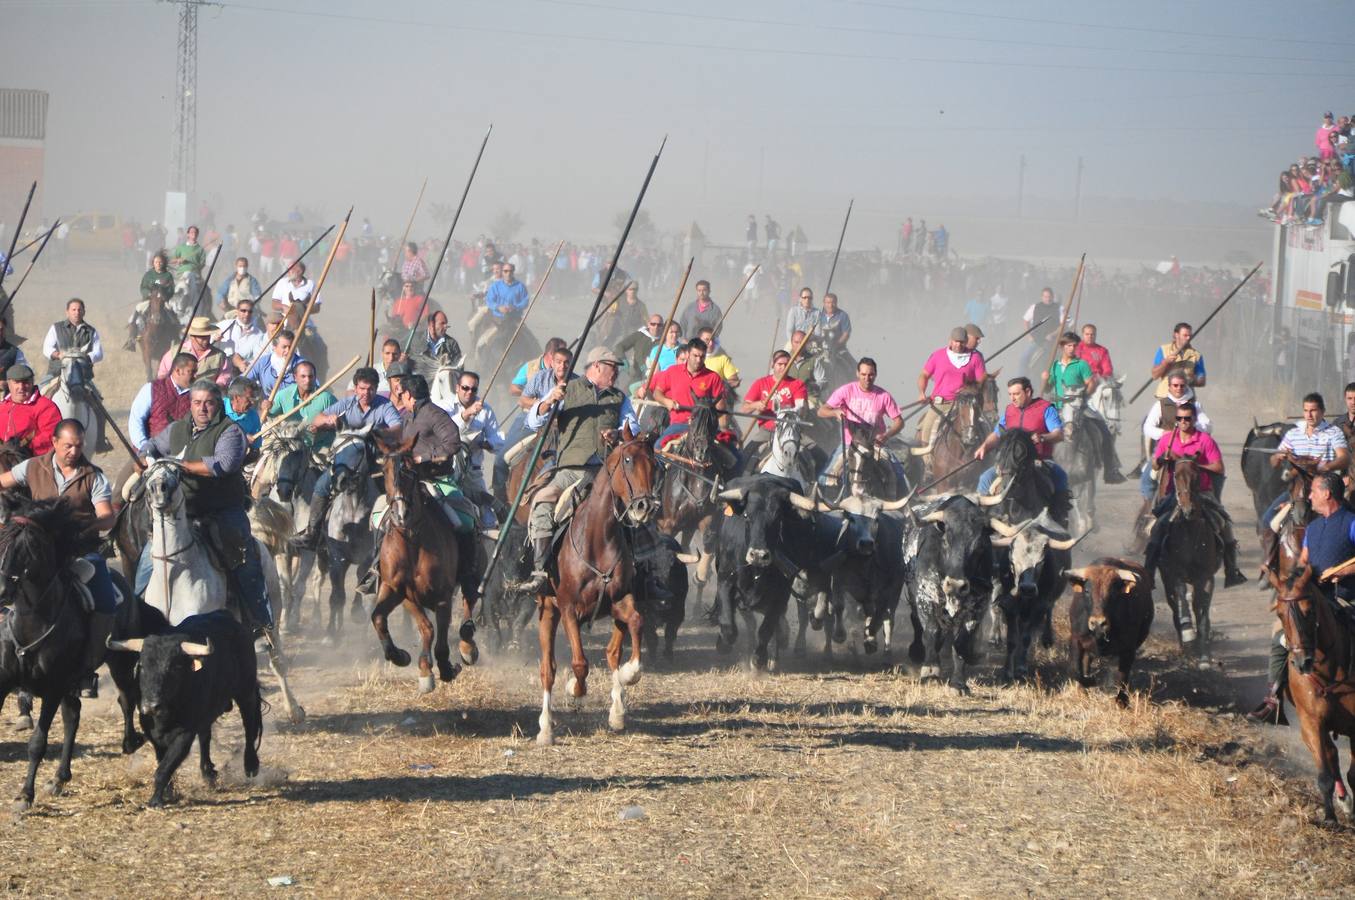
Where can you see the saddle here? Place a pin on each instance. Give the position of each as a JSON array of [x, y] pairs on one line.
[[225, 546]]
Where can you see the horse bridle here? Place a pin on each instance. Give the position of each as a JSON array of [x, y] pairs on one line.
[[22, 649], [651, 496], [1323, 686]]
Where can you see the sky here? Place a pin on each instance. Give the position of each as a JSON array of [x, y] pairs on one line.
[[788, 108]]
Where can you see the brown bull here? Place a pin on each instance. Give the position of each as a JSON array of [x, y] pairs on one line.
[[1111, 615]]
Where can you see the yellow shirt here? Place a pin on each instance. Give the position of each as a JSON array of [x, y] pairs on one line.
[[722, 365]]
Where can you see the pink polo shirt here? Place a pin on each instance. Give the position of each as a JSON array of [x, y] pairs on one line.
[[863, 406], [1199, 442], [947, 379]]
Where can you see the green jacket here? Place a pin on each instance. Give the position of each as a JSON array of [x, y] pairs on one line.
[[153, 279], [584, 413], [1068, 377], [194, 256]]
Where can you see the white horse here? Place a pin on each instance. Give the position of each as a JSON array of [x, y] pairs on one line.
[[185, 581], [442, 386], [1107, 399], [784, 458], [73, 389]]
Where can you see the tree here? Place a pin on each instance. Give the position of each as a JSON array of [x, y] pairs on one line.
[[643, 231], [505, 226]]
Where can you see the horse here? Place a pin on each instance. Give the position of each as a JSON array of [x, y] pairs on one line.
[[72, 396], [1107, 399], [867, 469], [284, 475], [788, 455], [595, 569], [833, 365], [691, 479], [1321, 680], [43, 648], [1263, 480], [1080, 454], [158, 333], [959, 434], [1189, 558], [420, 566]]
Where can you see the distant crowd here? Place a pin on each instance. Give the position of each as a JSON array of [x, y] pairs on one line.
[[1313, 184]]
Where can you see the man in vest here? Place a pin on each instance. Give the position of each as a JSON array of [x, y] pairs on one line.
[[1040, 419], [1161, 419], [237, 287], [948, 369], [359, 409], [10, 355], [213, 360], [64, 473], [524, 426], [212, 450], [1178, 356], [835, 326], [160, 403], [1070, 373], [1044, 317], [588, 406], [25, 415], [1184, 440], [73, 336], [1328, 541]]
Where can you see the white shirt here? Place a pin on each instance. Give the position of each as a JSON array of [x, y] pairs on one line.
[[287, 291], [235, 339], [96, 348], [484, 423], [1152, 425]]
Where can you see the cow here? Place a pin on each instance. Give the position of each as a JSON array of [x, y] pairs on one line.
[[188, 678], [866, 567], [1263, 480], [665, 564], [1111, 614], [1037, 553], [948, 560]]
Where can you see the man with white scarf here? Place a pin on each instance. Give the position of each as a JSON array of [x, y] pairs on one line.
[[1161, 419], [948, 369], [480, 431]]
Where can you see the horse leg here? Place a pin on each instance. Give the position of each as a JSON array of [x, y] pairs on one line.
[[37, 749], [442, 615], [1348, 801], [420, 618], [803, 614], [336, 569], [1202, 596], [24, 721], [295, 713], [625, 619], [577, 684], [70, 724], [466, 646], [1322, 747], [387, 599], [549, 616]]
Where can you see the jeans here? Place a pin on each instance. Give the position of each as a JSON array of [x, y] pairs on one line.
[[671, 430], [246, 580], [516, 432], [1056, 472], [101, 586], [1147, 486]]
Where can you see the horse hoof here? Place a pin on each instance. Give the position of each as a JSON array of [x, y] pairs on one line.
[[816, 623], [448, 672], [868, 645], [1346, 803], [574, 687], [839, 635], [22, 804], [1205, 664], [55, 787], [23, 723], [426, 684], [470, 653], [1188, 635], [398, 657], [616, 723], [630, 673], [467, 632], [929, 673], [959, 689], [1122, 700], [132, 744]]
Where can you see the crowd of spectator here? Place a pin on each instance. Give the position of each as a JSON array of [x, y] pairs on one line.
[[1312, 184]]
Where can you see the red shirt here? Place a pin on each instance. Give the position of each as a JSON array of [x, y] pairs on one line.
[[1097, 357], [680, 385], [406, 309], [32, 423], [791, 392]]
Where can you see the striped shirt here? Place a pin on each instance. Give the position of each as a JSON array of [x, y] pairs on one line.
[[1325, 440]]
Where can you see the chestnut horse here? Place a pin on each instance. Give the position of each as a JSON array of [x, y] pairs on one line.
[[594, 569], [959, 434], [419, 561], [159, 333], [1320, 682], [1188, 561]]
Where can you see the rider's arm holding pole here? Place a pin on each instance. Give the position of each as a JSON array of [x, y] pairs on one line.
[[894, 428]]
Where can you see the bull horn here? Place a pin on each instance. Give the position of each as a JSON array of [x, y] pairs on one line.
[[895, 504], [1002, 541], [733, 495], [800, 501], [935, 515], [687, 558], [1079, 573], [1066, 544], [131, 645], [1004, 529], [192, 649], [1127, 576], [924, 450]]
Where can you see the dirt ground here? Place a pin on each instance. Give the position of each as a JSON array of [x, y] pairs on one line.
[[839, 779]]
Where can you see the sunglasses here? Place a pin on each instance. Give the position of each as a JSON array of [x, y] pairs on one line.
[[1185, 418], [467, 387]]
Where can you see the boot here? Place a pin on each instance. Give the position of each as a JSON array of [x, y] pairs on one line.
[[1150, 555], [1060, 505], [366, 589], [96, 647], [538, 580], [1111, 461], [309, 538], [1271, 709], [1232, 575]]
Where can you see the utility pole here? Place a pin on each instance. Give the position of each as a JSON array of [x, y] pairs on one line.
[[761, 168], [1077, 192], [183, 158], [1020, 185]]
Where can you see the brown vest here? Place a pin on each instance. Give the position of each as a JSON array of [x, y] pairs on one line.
[[42, 482]]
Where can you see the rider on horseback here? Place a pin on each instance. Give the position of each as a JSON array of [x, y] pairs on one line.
[[1316, 446], [157, 280], [363, 408], [681, 387], [1185, 440], [760, 399], [1161, 419], [538, 386], [10, 354], [951, 367], [863, 402], [589, 406], [1040, 419], [479, 428], [213, 360], [1071, 373], [27, 417], [161, 402], [74, 336]]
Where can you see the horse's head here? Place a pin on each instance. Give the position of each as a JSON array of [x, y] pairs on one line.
[[631, 474], [988, 389], [36, 542], [1014, 457], [402, 482], [282, 461], [350, 461], [1185, 477], [1108, 400], [163, 492], [1296, 599], [967, 415], [701, 428], [12, 453], [786, 438]]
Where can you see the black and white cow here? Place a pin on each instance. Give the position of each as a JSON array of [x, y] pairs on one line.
[[1038, 555]]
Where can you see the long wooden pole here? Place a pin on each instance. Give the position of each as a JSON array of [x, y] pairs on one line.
[[615, 297], [663, 335], [545, 276], [437, 267], [324, 387], [1048, 377], [19, 227], [371, 331], [776, 386], [203, 289], [725, 314], [28, 246], [97, 403], [404, 238], [583, 338], [29, 268], [838, 252], [305, 316], [276, 281]]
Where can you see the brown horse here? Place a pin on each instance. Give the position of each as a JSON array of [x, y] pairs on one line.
[[1282, 549], [419, 561], [595, 569], [1320, 682], [158, 334], [959, 434], [1188, 561]]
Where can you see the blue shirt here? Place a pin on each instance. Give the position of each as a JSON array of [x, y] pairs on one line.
[[381, 413], [1052, 421], [500, 294], [1330, 540], [1322, 444], [525, 374], [1199, 363], [667, 357], [248, 421], [265, 375]]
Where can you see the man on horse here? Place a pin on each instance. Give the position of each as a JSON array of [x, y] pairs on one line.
[[790, 394], [680, 388], [211, 450], [717, 360], [190, 256], [949, 368], [161, 402], [1328, 541], [835, 326], [73, 335], [64, 473], [303, 401], [507, 298], [440, 347], [974, 334], [238, 286], [240, 335], [527, 371], [589, 406], [863, 402], [214, 361], [802, 317], [479, 428], [26, 416], [267, 368], [157, 280], [10, 355], [1071, 373], [1094, 355], [538, 386], [1185, 440], [1161, 419], [1178, 356], [364, 407], [295, 289], [1040, 419], [1040, 341], [701, 312], [637, 346], [242, 408], [1316, 447]]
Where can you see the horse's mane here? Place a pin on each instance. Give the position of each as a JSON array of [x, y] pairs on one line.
[[1008, 444], [53, 526], [11, 454]]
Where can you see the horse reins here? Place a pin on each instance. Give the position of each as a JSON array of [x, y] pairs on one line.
[[1322, 685]]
